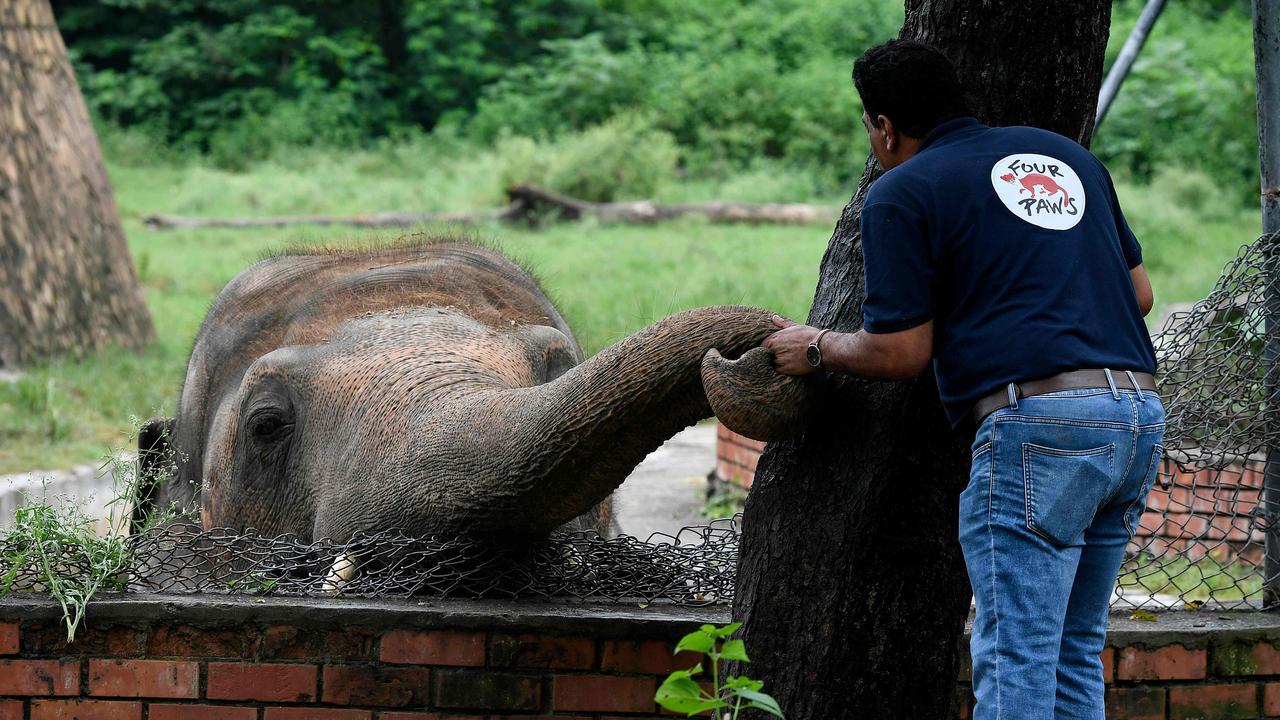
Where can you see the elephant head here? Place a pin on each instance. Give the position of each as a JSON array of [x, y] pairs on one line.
[[434, 389]]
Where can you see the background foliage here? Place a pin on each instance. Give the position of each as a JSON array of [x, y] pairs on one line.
[[731, 82]]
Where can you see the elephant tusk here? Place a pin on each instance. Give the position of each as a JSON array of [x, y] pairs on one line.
[[342, 572]]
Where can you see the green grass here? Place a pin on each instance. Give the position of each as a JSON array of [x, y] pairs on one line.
[[608, 280], [1203, 579]]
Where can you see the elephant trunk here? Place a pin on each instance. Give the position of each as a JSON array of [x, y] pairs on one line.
[[564, 446]]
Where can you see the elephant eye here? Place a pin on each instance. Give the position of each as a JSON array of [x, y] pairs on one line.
[[269, 425]]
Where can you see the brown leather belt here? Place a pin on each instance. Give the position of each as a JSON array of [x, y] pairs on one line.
[[1073, 380]]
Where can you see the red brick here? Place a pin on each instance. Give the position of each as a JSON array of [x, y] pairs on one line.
[[10, 710], [52, 640], [290, 643], [8, 639], [1135, 703], [85, 710], [652, 657], [602, 693], [144, 678], [724, 470], [543, 651], [268, 682], [39, 677], [1252, 475], [1151, 523], [1171, 662], [201, 712], [373, 685], [1220, 702], [315, 713], [1271, 700], [433, 647], [1242, 658], [1266, 659], [1108, 665], [191, 642], [1158, 500], [488, 691]]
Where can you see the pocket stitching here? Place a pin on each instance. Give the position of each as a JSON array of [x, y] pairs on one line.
[[1028, 485]]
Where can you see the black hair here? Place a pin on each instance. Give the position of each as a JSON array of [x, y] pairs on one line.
[[911, 83]]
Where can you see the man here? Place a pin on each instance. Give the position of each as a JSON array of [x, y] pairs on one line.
[[1002, 255]]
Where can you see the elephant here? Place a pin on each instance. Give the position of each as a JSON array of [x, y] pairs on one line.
[[431, 387]]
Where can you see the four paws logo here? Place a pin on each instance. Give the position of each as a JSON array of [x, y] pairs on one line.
[[1042, 190]]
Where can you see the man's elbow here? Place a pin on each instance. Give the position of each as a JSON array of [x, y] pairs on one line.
[[1146, 301]]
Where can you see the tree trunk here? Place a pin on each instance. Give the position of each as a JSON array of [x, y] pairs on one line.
[[851, 580], [67, 283]]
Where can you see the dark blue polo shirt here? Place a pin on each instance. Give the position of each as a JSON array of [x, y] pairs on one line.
[[1012, 241]]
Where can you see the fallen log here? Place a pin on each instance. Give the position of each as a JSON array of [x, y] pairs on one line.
[[534, 205], [527, 200]]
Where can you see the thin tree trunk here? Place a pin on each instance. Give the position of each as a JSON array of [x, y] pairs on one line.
[[851, 580], [67, 283]]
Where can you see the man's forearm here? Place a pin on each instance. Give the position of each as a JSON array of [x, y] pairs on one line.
[[866, 355]]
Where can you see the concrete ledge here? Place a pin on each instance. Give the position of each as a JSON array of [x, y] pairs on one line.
[[213, 611]]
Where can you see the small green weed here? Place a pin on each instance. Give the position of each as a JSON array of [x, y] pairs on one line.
[[723, 501], [54, 547], [728, 696]]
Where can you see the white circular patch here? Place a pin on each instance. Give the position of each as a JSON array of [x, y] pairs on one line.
[[1039, 189]]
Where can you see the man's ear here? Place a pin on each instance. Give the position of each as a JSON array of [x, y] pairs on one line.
[[155, 467], [891, 138]]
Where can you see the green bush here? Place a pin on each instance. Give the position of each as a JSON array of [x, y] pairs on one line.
[[734, 82], [623, 158]]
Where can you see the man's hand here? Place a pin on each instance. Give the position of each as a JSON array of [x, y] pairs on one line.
[[789, 345]]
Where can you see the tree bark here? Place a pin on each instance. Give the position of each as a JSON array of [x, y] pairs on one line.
[[67, 283], [851, 582]]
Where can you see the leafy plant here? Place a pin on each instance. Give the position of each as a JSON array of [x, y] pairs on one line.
[[725, 500], [58, 546], [727, 696], [55, 548]]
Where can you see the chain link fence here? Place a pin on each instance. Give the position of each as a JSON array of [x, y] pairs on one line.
[[1202, 538]]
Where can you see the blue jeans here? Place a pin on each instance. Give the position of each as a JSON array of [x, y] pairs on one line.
[[1056, 488]]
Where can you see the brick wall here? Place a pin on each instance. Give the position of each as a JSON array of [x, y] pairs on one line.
[[1190, 666], [188, 658], [213, 657], [736, 457]]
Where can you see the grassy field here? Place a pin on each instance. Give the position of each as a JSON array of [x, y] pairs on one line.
[[608, 280]]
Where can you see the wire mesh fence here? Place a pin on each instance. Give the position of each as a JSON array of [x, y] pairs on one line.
[[1202, 538], [694, 567]]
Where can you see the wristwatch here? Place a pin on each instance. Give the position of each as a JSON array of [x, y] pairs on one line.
[[813, 353]]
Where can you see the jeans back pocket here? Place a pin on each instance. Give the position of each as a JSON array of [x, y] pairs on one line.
[[1064, 489]]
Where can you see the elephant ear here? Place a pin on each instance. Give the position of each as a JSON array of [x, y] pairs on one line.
[[753, 399], [550, 352], [155, 468]]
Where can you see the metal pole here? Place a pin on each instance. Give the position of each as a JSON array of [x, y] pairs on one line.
[[1124, 61], [1266, 48]]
